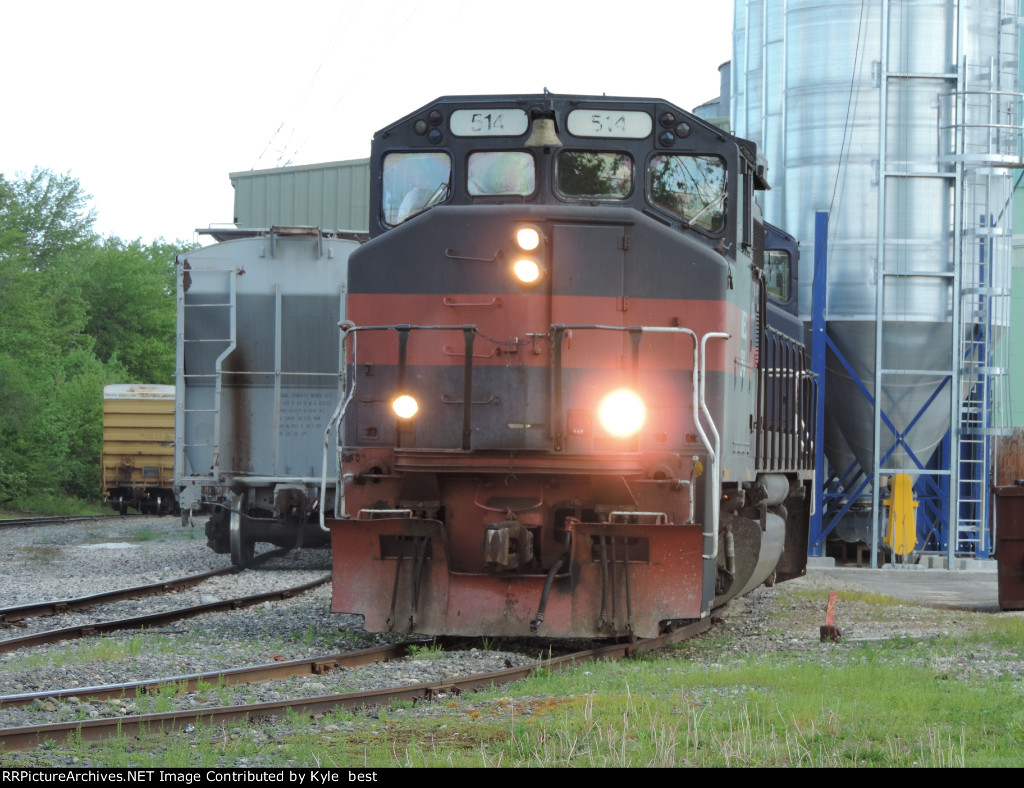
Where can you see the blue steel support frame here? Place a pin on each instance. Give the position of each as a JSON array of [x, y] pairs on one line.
[[819, 296]]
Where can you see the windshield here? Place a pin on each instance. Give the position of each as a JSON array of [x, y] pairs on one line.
[[501, 172], [594, 175], [692, 187], [412, 183], [776, 266]]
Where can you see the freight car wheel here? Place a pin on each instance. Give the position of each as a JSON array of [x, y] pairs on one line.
[[242, 546], [217, 528]]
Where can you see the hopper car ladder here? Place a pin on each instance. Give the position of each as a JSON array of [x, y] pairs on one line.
[[212, 375]]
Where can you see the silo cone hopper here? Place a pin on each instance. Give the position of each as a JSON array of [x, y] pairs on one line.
[[915, 405], [915, 418]]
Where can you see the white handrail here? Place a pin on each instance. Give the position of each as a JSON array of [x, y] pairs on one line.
[[716, 481], [336, 418]]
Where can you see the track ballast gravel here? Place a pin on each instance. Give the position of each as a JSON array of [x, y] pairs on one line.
[[42, 563]]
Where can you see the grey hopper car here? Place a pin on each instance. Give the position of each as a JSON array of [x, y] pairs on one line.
[[258, 376]]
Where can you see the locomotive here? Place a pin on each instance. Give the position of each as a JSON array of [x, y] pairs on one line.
[[576, 401]]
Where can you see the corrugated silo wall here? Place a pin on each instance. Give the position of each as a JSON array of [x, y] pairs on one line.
[[808, 88], [1016, 355], [331, 196], [1011, 449]]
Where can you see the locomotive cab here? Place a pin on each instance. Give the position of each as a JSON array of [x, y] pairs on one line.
[[556, 380]]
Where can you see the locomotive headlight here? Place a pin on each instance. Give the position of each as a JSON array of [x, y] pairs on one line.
[[622, 413], [404, 406], [526, 270], [528, 238]]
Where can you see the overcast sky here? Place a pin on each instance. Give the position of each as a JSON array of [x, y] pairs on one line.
[[151, 105]]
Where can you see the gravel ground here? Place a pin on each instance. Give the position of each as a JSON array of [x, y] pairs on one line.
[[55, 562], [50, 562]]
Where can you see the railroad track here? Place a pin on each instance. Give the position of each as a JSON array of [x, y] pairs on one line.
[[28, 737], [12, 615], [154, 619], [62, 519], [231, 677]]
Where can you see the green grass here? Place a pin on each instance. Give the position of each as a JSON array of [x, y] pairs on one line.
[[432, 651], [878, 704], [868, 597], [891, 703], [1006, 631], [103, 649], [902, 702], [781, 711], [309, 636], [161, 699], [43, 505]]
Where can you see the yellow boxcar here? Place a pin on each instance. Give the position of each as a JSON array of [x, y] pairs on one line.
[[138, 447]]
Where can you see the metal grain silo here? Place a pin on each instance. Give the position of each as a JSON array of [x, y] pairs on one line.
[[898, 117]]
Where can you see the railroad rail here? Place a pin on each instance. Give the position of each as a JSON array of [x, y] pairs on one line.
[[28, 737], [61, 519], [154, 619], [55, 607], [231, 677]]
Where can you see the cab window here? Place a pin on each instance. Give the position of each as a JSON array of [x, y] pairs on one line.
[[692, 187], [412, 183], [594, 175], [500, 173], [776, 266]]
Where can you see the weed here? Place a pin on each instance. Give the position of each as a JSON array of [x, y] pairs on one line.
[[432, 651], [46, 504]]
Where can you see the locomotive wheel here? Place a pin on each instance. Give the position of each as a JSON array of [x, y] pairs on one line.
[[242, 546]]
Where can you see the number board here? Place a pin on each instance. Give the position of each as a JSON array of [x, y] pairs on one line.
[[620, 124], [499, 122]]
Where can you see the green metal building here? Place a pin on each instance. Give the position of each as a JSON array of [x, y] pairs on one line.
[[332, 196]]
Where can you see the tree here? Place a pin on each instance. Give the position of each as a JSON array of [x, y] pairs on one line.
[[50, 212], [129, 291], [76, 312]]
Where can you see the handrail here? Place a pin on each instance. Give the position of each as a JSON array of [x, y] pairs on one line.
[[336, 418], [347, 329], [701, 413], [716, 495]]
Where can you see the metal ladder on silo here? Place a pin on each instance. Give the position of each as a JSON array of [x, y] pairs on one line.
[[890, 271], [213, 374], [987, 140]]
